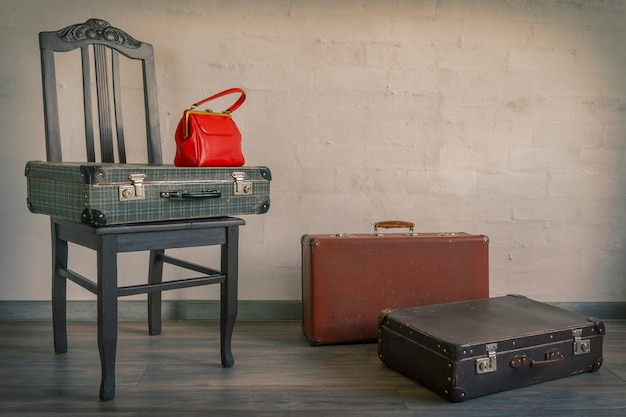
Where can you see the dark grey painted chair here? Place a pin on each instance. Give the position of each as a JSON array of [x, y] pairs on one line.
[[102, 49]]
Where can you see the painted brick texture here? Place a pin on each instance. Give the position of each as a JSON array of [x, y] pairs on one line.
[[504, 118]]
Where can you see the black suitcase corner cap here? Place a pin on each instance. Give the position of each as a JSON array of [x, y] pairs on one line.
[[266, 173], [456, 394], [91, 174], [93, 217]]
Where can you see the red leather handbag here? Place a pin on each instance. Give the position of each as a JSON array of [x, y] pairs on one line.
[[209, 139]]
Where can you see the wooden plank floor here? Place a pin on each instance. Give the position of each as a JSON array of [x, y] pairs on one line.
[[277, 373]]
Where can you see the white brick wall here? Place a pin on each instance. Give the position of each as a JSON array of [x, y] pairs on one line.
[[505, 118]]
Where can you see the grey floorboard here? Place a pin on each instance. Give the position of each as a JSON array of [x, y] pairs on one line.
[[276, 373]]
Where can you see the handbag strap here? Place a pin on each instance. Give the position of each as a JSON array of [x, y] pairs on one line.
[[235, 105]]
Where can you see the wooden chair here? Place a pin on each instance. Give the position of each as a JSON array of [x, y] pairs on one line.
[[102, 48]]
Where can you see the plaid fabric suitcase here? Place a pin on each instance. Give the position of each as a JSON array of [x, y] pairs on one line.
[[106, 194], [348, 278], [467, 349]]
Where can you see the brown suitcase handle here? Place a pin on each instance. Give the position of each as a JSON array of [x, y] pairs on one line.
[[393, 224], [553, 357]]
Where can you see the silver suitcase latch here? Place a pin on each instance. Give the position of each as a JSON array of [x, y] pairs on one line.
[[241, 187], [581, 346], [135, 191], [488, 364]]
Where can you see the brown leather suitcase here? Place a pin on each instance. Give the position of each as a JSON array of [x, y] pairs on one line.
[[471, 348], [348, 278]]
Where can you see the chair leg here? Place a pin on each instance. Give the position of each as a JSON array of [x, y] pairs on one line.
[[155, 276], [59, 291], [107, 314], [228, 294]]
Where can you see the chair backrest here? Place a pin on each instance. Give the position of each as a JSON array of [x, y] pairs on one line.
[[102, 47]]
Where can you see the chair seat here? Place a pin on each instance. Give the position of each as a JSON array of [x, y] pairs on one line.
[[161, 226], [149, 236]]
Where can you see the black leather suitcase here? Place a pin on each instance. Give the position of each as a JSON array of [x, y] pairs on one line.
[[466, 349]]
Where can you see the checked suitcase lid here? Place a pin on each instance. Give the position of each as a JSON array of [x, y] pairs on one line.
[[94, 173]]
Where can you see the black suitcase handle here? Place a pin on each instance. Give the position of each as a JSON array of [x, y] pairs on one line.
[[184, 195]]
